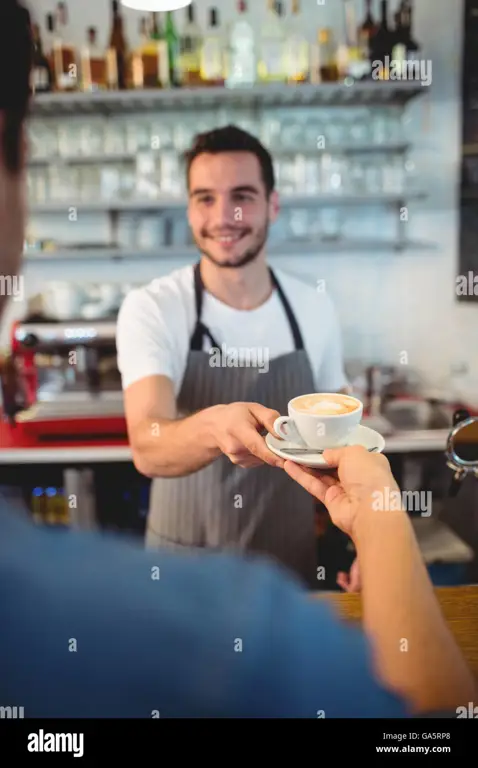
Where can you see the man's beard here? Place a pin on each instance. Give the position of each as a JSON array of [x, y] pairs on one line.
[[249, 256]]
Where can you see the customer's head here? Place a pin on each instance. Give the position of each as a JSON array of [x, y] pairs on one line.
[[15, 68], [232, 197]]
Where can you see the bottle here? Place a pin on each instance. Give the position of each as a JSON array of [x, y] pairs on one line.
[[64, 54], [159, 38], [190, 45], [38, 506], [42, 78], [242, 54], [413, 48], [367, 30], [328, 67], [399, 49], [212, 53], [272, 65], [50, 39], [117, 52], [144, 62], [358, 63], [381, 45], [173, 45], [297, 54], [136, 59], [93, 65]]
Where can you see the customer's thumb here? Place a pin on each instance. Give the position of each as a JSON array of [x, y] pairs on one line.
[[332, 456]]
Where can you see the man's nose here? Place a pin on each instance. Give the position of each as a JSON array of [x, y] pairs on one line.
[[224, 212]]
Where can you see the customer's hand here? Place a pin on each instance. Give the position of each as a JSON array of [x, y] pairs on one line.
[[350, 488]]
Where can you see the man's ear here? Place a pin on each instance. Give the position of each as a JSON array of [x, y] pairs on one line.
[[274, 205]]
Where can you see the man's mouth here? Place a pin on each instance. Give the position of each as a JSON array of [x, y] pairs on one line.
[[228, 239]]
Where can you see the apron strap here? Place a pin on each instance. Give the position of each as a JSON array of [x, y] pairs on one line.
[[200, 330], [294, 325]]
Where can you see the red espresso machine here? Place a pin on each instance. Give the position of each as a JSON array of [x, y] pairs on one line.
[[65, 384]]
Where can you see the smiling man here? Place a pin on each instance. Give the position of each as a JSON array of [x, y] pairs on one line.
[[205, 349]]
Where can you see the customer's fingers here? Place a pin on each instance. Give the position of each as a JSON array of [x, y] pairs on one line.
[[308, 479]]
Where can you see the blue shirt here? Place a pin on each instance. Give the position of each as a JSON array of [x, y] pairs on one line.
[[92, 625]]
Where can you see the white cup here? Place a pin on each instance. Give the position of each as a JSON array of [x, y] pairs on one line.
[[319, 431]]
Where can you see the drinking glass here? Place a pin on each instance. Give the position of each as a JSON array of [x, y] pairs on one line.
[[374, 174], [92, 138], [43, 139], [115, 138], [393, 176], [332, 174]]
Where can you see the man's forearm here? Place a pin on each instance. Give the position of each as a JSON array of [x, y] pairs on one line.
[[175, 447], [415, 651]]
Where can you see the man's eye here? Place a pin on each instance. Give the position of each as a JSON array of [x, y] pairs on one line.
[[243, 197], [207, 199]]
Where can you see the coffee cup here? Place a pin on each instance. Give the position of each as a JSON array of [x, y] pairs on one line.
[[320, 420]]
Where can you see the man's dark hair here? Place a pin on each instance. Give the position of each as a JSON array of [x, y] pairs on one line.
[[16, 58], [232, 139]]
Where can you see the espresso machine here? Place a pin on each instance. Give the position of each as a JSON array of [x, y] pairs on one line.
[[65, 382], [462, 449]]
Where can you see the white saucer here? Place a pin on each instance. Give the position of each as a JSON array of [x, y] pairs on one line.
[[361, 435]]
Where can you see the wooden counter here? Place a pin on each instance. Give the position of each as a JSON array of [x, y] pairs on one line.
[[459, 606]]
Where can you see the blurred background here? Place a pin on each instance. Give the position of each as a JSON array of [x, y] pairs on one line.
[[369, 109]]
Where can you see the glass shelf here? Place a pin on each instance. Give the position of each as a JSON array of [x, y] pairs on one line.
[[357, 93], [290, 247]]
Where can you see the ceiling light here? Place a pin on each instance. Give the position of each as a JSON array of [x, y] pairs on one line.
[[156, 5]]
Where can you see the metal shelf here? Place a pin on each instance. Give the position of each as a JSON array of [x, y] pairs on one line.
[[130, 157], [357, 93], [171, 203], [103, 159], [297, 247]]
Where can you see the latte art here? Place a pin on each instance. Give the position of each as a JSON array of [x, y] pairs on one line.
[[325, 405]]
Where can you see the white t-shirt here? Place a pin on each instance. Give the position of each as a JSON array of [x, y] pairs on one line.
[[156, 321]]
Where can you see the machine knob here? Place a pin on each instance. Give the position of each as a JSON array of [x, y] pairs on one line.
[[30, 340], [461, 415]]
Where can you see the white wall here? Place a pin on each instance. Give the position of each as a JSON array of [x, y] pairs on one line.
[[388, 303]]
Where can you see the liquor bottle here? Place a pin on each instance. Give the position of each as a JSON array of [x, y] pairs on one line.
[[143, 67], [117, 52], [399, 48], [213, 52], [360, 65], [413, 48], [93, 65], [381, 44], [159, 38], [348, 53], [242, 54], [190, 44], [297, 53], [136, 59], [272, 65], [367, 30], [64, 54], [173, 45], [327, 56], [38, 506], [42, 78], [50, 39]]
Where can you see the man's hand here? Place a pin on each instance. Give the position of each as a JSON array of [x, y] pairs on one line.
[[349, 489], [236, 432]]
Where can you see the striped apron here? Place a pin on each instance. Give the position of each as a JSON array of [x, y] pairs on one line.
[[223, 506]]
